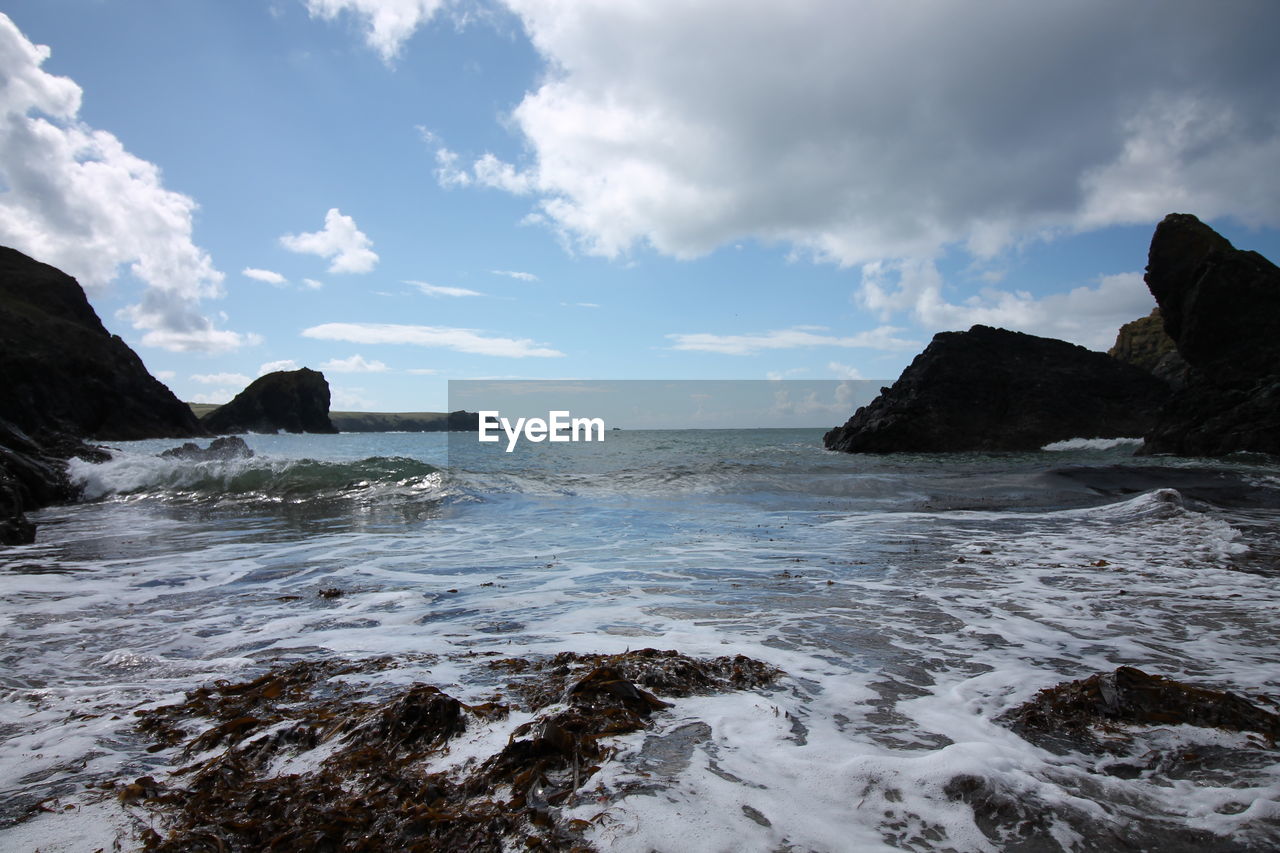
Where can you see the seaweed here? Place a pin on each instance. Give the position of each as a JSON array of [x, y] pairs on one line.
[[367, 782], [1091, 714]]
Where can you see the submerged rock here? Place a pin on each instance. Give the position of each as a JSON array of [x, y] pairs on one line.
[[1088, 714], [220, 449], [1221, 306], [991, 389], [288, 400]]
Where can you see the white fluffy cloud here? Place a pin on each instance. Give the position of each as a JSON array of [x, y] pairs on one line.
[[879, 130], [273, 366], [340, 241], [356, 364], [461, 340], [72, 196], [1089, 316], [883, 338], [350, 399], [387, 23], [264, 275], [843, 371]]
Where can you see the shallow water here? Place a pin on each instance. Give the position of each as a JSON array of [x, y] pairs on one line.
[[910, 600]]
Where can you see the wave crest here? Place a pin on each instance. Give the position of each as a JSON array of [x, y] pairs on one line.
[[262, 478]]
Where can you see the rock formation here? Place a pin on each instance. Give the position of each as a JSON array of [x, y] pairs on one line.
[[289, 400], [219, 450], [1144, 343], [30, 477], [992, 390], [66, 378], [65, 374], [1221, 306]]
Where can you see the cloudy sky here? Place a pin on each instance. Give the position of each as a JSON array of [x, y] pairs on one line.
[[401, 192]]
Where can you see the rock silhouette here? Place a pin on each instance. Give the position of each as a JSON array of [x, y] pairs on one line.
[[288, 400], [1221, 306], [994, 390]]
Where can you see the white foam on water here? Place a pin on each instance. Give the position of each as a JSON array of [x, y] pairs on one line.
[[74, 827], [1092, 443], [902, 635]]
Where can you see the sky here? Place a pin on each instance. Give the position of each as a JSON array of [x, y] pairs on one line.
[[405, 192]]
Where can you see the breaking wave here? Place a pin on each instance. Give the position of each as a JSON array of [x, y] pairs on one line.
[[258, 478]]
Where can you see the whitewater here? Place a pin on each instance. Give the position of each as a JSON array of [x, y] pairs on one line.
[[908, 600]]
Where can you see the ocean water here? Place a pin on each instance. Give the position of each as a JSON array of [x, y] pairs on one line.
[[909, 600]]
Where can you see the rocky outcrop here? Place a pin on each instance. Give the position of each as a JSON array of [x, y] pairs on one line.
[[288, 400], [992, 390], [1144, 343], [30, 477], [219, 450], [1221, 307], [66, 378], [65, 374]]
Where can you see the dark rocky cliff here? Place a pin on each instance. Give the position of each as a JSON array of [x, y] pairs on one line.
[[65, 374], [1221, 306], [288, 400], [991, 389], [66, 378]]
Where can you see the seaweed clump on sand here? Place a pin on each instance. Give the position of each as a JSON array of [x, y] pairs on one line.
[[1091, 714], [294, 759]]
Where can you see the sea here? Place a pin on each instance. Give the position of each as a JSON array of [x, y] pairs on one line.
[[908, 601]]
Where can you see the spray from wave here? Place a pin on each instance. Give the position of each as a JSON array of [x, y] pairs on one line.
[[136, 476]]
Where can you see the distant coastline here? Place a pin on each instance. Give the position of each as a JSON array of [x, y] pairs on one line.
[[369, 421]]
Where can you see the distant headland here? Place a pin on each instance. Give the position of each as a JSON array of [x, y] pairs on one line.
[[382, 421]]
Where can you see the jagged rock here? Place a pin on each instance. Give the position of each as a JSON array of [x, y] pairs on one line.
[[65, 374], [993, 390], [33, 475], [1221, 306], [289, 400], [66, 378], [1144, 343], [220, 449], [1208, 420]]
